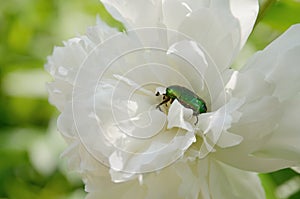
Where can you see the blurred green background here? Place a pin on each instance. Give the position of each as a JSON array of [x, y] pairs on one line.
[[30, 146]]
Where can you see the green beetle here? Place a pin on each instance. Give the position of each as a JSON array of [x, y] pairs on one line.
[[185, 97]]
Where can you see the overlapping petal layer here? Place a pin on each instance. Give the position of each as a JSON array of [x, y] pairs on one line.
[[193, 179], [269, 123], [221, 27]]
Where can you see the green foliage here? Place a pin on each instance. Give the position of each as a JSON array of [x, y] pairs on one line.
[[273, 183], [19, 179], [276, 17], [283, 14], [269, 186]]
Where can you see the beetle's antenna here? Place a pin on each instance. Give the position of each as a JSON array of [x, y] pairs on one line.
[[160, 91]]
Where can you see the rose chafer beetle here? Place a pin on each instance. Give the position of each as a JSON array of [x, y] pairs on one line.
[[185, 97]]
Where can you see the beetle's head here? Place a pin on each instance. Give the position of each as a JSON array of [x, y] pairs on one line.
[[160, 91]]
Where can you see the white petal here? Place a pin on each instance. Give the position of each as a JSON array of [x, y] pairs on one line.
[[217, 31], [269, 126], [160, 185], [65, 123], [150, 155], [224, 26], [284, 142], [156, 185], [192, 179], [258, 121], [60, 92], [250, 85], [174, 12], [213, 127], [297, 169], [99, 187], [65, 61], [140, 13], [210, 179], [178, 116], [279, 62], [246, 12], [99, 33], [230, 183], [241, 158], [228, 139]]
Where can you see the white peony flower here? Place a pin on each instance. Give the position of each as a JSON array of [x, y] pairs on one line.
[[124, 147]]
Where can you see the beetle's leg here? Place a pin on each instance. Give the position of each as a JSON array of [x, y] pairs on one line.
[[166, 99], [172, 100], [196, 120]]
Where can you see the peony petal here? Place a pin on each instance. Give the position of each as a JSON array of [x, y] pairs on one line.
[[65, 61], [228, 139], [219, 35], [268, 125], [146, 187], [260, 116], [102, 187], [210, 179], [279, 63], [171, 181], [150, 155], [99, 33], [246, 12], [297, 169], [231, 183], [250, 85], [284, 142], [225, 25], [123, 191], [213, 127], [140, 13], [192, 179], [178, 117], [174, 12], [241, 158], [60, 93]]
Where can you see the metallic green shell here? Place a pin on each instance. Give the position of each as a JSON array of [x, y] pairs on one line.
[[187, 98]]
